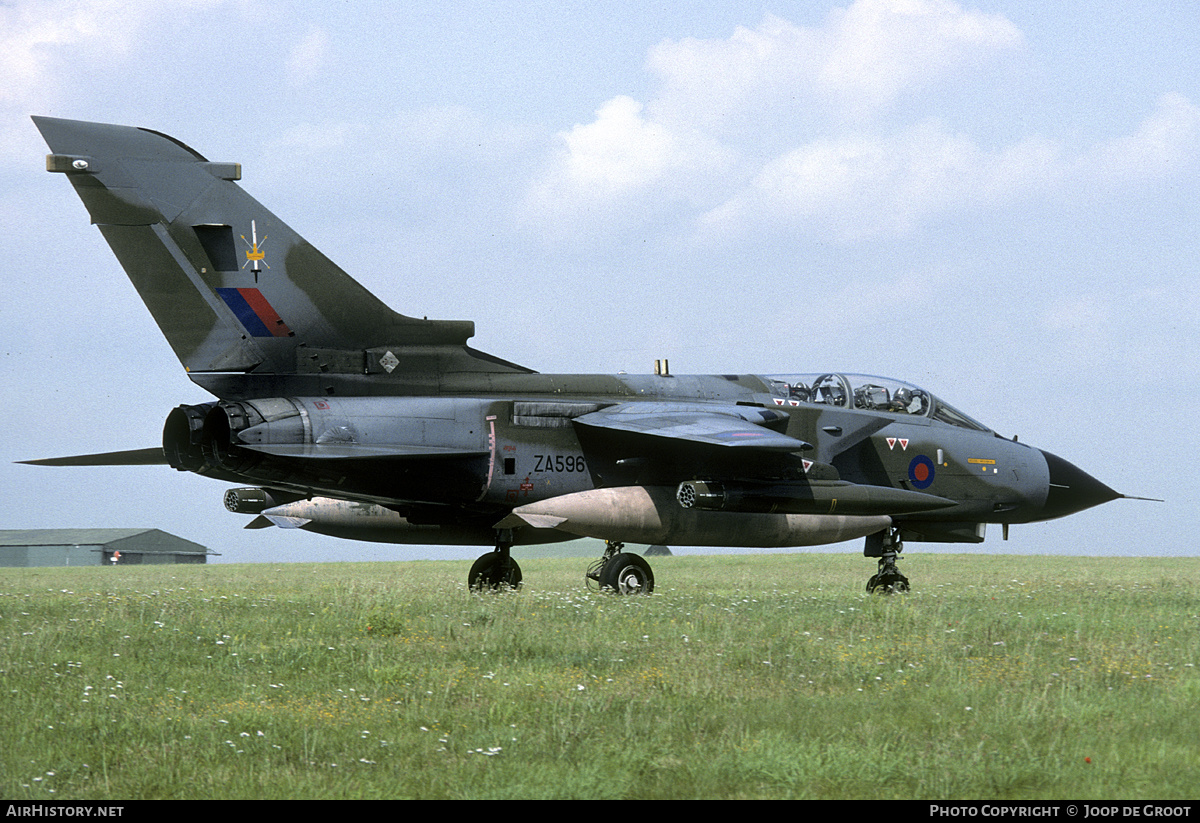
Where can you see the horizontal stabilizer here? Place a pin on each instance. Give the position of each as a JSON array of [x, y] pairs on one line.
[[134, 457]]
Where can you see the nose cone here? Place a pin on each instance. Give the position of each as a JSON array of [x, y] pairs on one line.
[[1072, 489]]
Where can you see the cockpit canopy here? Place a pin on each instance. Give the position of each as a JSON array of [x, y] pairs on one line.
[[857, 391]]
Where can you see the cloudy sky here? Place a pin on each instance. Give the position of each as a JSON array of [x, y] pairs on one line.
[[999, 201]]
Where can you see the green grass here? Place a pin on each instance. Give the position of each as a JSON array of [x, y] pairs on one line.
[[763, 676]]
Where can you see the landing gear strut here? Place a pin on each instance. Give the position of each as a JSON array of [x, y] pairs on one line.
[[887, 547], [621, 572], [496, 569]]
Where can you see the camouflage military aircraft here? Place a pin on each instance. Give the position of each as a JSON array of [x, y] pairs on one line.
[[352, 420]]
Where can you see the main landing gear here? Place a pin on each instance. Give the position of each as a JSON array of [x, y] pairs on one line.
[[496, 569], [621, 572], [887, 547], [616, 571]]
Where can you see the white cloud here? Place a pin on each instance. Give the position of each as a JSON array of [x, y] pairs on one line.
[[736, 120], [308, 57], [858, 63], [880, 48], [888, 182], [621, 155], [29, 34], [1166, 142], [867, 184], [52, 50], [720, 85], [619, 151], [36, 37], [798, 128]]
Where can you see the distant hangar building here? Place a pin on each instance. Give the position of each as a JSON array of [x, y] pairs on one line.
[[96, 547]]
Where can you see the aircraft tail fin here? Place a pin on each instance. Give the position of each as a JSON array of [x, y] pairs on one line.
[[232, 287]]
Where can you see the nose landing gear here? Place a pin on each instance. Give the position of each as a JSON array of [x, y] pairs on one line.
[[887, 547]]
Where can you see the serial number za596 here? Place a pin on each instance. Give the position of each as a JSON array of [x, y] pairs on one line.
[[559, 463]]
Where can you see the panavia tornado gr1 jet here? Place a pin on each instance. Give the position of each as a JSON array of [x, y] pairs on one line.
[[336, 414]]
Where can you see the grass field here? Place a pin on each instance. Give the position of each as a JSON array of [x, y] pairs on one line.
[[769, 676]]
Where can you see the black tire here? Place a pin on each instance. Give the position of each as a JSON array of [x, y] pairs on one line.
[[491, 571], [894, 583], [627, 574]]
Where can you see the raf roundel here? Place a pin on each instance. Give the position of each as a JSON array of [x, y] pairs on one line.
[[920, 471]]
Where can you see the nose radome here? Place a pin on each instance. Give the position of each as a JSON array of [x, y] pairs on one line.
[[1072, 489]]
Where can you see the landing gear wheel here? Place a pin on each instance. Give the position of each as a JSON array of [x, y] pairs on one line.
[[887, 583], [493, 571], [887, 548], [627, 574]]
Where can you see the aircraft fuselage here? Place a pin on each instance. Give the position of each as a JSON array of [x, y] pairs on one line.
[[468, 455]]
